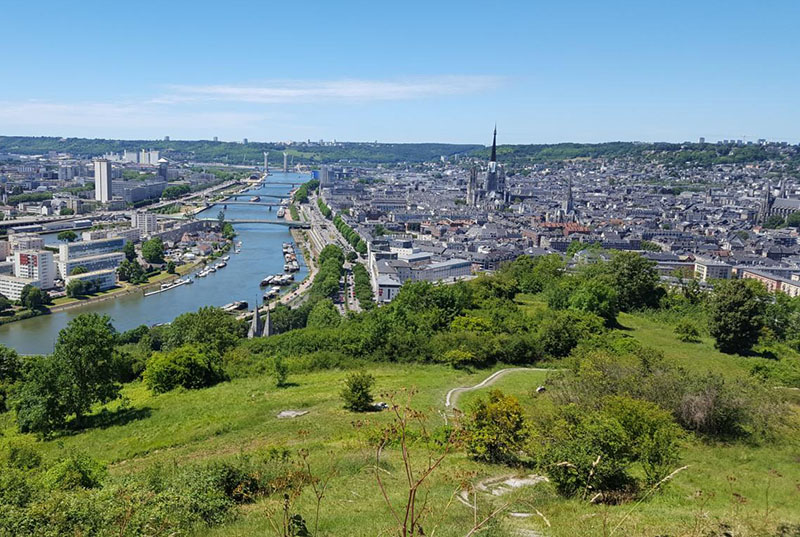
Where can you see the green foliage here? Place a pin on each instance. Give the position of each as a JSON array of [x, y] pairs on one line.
[[10, 373], [170, 267], [774, 222], [188, 366], [736, 315], [33, 298], [793, 220], [594, 451], [496, 429], [281, 371], [66, 211], [4, 304], [362, 287], [635, 280], [357, 391], [80, 269], [209, 327], [687, 332], [77, 288], [175, 191], [130, 251], [74, 472], [301, 194], [324, 209], [595, 296], [350, 235], [131, 271], [324, 315], [30, 197], [153, 250], [79, 374], [67, 236]]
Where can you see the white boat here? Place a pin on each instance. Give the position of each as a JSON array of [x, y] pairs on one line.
[[221, 265], [226, 258]]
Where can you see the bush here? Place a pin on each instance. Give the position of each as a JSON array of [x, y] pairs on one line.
[[496, 428], [280, 370], [76, 471], [687, 332], [356, 392], [187, 366]]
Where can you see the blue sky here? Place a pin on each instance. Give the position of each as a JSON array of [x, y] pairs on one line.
[[402, 71]]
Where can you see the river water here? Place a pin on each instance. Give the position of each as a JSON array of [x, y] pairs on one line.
[[261, 255]]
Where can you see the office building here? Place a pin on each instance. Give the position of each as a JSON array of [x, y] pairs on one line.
[[94, 255], [102, 180], [145, 222], [35, 265], [100, 279]]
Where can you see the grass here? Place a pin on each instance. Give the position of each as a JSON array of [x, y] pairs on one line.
[[749, 487]]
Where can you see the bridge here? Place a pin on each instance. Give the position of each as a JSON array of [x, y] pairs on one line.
[[287, 223], [232, 202], [235, 196]]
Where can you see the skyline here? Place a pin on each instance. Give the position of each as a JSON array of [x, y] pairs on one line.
[[431, 73]]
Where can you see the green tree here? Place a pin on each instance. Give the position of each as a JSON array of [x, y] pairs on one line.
[[79, 374], [208, 327], [67, 236], [4, 303], [324, 315], [130, 251], [496, 428], [736, 315], [189, 366], [171, 267], [66, 211], [33, 298], [594, 296], [357, 391], [281, 371], [80, 269], [221, 218], [131, 271], [153, 250], [687, 332], [76, 288], [635, 280], [10, 373], [774, 222], [793, 220]]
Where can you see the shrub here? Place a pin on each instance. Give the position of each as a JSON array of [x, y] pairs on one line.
[[356, 392], [687, 332], [185, 366], [496, 428], [76, 471], [280, 370]]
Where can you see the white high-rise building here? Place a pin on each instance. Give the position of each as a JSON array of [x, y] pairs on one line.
[[145, 222], [36, 265], [102, 180]]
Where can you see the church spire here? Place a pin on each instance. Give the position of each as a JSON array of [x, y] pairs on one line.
[[494, 146]]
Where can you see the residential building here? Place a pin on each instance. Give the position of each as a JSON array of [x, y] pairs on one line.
[[145, 222], [35, 265], [102, 180]]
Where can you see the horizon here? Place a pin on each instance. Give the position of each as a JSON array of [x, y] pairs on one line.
[[587, 73]]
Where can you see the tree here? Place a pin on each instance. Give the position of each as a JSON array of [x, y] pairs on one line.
[[76, 288], [10, 373], [221, 218], [153, 250], [188, 366], [594, 296], [33, 298], [356, 392], [793, 220], [281, 371], [4, 303], [66, 211], [131, 271], [774, 222], [736, 315], [208, 327], [687, 332], [171, 267], [80, 269], [496, 428], [67, 236], [324, 315], [635, 280], [79, 374], [130, 251]]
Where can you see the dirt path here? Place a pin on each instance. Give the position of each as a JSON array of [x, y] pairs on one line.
[[452, 395]]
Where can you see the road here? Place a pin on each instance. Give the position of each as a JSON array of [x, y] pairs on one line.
[[452, 396]]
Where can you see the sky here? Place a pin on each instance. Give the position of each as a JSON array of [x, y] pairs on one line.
[[433, 71]]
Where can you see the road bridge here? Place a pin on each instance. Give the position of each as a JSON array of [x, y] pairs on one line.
[[287, 223]]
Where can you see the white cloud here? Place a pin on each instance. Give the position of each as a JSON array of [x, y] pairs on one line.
[[287, 91]]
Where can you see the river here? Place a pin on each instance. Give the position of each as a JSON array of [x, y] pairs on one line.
[[261, 255]]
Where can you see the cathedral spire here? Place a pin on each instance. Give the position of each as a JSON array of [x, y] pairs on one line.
[[494, 146]]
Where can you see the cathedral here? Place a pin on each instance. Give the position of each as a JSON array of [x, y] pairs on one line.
[[493, 189]]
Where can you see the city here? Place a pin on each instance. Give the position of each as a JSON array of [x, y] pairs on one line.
[[452, 269]]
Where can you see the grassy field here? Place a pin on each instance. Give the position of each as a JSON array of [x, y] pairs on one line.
[[750, 488]]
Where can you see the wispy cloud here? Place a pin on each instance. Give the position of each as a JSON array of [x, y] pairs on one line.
[[287, 91]]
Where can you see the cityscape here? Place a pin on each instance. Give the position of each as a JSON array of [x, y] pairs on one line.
[[446, 269]]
